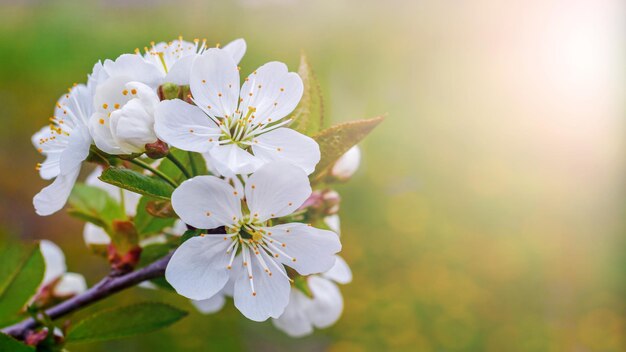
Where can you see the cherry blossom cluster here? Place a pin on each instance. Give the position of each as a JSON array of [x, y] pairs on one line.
[[255, 202]]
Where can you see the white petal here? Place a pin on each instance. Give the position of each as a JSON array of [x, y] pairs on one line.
[[180, 70], [276, 189], [51, 167], [214, 82], [206, 202], [236, 49], [100, 130], [132, 127], [185, 126], [295, 321], [334, 223], [197, 269], [327, 303], [210, 305], [347, 164], [77, 149], [53, 197], [272, 91], [231, 159], [313, 249], [54, 259], [95, 235], [70, 284], [340, 272], [289, 145], [271, 292], [135, 68]]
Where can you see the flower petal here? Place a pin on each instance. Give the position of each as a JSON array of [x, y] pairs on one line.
[[55, 261], [134, 68], [276, 189], [313, 249], [197, 269], [70, 284], [272, 91], [53, 197], [334, 223], [270, 295], [210, 305], [295, 321], [347, 164], [289, 145], [340, 272], [100, 129], [214, 83], [180, 70], [95, 235], [185, 126], [231, 159], [132, 127], [206, 202], [77, 149], [327, 303], [236, 49]]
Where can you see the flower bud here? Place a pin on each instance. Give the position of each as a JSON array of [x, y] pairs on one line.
[[347, 164], [157, 150], [168, 91]]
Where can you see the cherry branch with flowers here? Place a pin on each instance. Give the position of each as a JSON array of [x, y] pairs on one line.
[[202, 186]]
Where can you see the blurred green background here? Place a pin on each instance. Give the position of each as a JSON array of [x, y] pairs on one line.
[[488, 212]]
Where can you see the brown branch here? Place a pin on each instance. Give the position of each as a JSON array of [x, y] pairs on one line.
[[105, 288]]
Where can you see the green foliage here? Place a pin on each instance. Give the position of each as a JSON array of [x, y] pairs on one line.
[[124, 322], [9, 344], [309, 114], [94, 205], [336, 140], [195, 162], [191, 233], [147, 224], [21, 271], [137, 182], [154, 252]]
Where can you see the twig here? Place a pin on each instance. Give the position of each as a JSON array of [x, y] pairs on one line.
[[105, 288]]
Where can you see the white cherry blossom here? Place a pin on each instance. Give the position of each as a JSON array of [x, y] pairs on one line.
[[241, 128], [323, 309], [65, 284], [65, 143], [174, 59], [124, 103], [347, 164], [252, 250]]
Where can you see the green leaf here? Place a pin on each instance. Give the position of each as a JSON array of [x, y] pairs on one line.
[[154, 252], [94, 205], [124, 321], [21, 271], [7, 343], [191, 233], [147, 224], [336, 140], [188, 159], [309, 114], [137, 182]]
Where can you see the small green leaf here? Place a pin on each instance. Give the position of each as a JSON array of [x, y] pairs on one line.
[[336, 140], [9, 344], [124, 322], [94, 205], [137, 182], [147, 224], [21, 271], [191, 233], [188, 159], [154, 252], [309, 114]]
